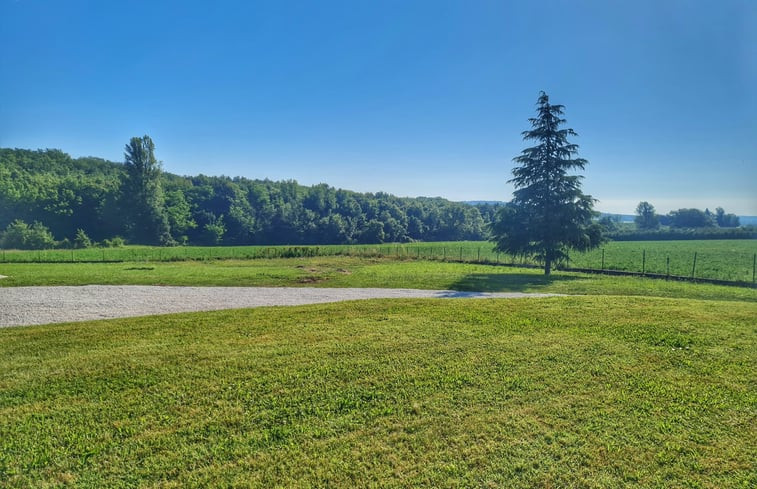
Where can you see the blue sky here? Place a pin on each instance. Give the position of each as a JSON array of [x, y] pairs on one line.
[[408, 97]]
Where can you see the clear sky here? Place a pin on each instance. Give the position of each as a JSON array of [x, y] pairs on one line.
[[408, 97]]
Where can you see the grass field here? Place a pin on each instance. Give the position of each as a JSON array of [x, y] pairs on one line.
[[562, 392], [353, 271], [640, 383], [720, 259], [732, 260]]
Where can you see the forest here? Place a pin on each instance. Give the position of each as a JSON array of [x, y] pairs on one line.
[[63, 201], [49, 199]]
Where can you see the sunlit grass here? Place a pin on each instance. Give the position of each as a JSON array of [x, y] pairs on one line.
[[731, 260], [563, 392], [346, 271]]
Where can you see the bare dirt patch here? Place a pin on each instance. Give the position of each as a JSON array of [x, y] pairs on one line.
[[310, 280]]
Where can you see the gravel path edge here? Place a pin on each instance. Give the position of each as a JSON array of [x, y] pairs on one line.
[[24, 306]]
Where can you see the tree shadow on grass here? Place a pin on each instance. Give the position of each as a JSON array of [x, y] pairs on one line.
[[509, 282]]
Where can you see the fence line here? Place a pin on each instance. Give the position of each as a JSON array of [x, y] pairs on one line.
[[703, 266]]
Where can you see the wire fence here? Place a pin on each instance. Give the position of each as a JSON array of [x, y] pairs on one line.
[[674, 262]]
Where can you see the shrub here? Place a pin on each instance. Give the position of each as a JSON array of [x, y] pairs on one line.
[[114, 242], [82, 240], [21, 236], [213, 231]]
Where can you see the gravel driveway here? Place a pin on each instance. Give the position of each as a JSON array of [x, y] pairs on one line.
[[21, 306]]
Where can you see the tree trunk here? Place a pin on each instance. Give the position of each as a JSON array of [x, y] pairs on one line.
[[548, 259]]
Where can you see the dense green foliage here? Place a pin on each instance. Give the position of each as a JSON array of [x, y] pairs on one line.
[[64, 194], [594, 392], [646, 217], [549, 214], [690, 218], [682, 219], [143, 205], [98, 197], [81, 240], [693, 219], [726, 220], [20, 235]]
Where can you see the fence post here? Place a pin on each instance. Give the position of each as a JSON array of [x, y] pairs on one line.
[[643, 261], [498, 258], [461, 253], [667, 263], [72, 255], [694, 266], [603, 259], [444, 253]]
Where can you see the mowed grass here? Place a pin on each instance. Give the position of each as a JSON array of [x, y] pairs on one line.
[[562, 392], [346, 271]]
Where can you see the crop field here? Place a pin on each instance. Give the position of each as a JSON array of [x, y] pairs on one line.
[[719, 259], [730, 260]]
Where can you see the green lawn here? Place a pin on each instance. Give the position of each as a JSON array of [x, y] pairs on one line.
[[637, 384], [346, 271], [562, 392]]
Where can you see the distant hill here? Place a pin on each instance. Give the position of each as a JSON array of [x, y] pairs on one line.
[[743, 220], [622, 217], [483, 202], [748, 220]]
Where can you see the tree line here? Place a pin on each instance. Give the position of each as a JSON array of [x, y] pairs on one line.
[[648, 219], [48, 198], [680, 224]]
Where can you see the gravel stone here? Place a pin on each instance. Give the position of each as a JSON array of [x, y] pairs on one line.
[[20, 306]]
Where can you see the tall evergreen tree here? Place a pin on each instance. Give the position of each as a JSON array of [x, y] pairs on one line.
[[144, 204], [548, 214]]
